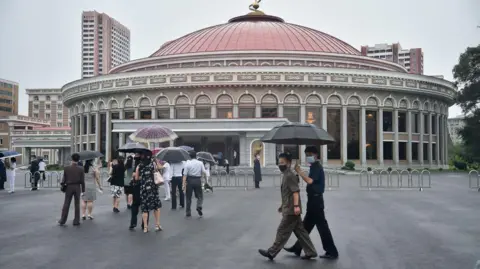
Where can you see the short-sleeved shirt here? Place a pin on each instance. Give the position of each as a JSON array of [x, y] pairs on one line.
[[289, 187], [194, 168], [41, 166], [318, 176]]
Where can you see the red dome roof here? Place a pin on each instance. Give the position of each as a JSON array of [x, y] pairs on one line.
[[256, 32]]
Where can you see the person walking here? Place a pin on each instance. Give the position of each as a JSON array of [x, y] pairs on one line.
[[10, 166], [74, 182], [315, 215], [35, 175], [177, 173], [291, 209], [167, 178], [92, 181], [3, 175], [117, 182], [150, 199], [128, 189], [42, 168], [207, 185], [257, 171], [192, 183]]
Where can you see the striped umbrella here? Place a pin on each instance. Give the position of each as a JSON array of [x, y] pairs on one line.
[[153, 134]]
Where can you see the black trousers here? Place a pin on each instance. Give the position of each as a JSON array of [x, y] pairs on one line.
[[134, 214], [315, 216], [257, 184], [34, 180], [177, 184], [2, 187]]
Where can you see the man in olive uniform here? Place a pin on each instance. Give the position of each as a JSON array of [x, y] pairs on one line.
[[315, 215], [291, 214]]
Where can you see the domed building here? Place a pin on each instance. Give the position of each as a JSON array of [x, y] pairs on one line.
[[221, 88]]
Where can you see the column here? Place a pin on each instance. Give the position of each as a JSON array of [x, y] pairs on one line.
[[395, 137], [24, 156], [343, 143], [172, 112], [171, 143], [280, 110], [380, 136], [89, 131], [60, 156], [445, 140], [420, 143], [73, 133], [154, 113], [136, 113], [363, 137], [235, 111], [108, 138], [81, 132], [324, 127], [437, 131], [244, 150], [258, 111], [97, 131], [430, 139], [192, 112], [302, 120], [214, 111], [121, 139], [409, 142]]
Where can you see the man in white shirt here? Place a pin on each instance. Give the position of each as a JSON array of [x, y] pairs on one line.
[[176, 170], [192, 183], [41, 168]]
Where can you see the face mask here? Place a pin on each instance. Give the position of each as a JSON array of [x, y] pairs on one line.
[[282, 168], [310, 159]]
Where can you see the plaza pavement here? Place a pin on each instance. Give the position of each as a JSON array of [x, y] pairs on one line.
[[378, 229]]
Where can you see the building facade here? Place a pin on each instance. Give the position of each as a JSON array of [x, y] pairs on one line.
[[105, 43], [221, 88], [8, 107], [412, 59], [454, 126], [47, 105]]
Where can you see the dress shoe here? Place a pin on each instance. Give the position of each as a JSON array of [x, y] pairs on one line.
[[199, 210], [188, 215], [61, 224], [308, 257], [131, 228], [329, 256], [265, 253], [293, 250], [76, 224]]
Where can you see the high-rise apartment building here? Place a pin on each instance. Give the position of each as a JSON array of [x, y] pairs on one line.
[[412, 59], [454, 126], [105, 43], [46, 104], [8, 107]]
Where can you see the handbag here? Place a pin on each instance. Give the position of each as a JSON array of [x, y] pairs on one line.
[[63, 187], [157, 177]]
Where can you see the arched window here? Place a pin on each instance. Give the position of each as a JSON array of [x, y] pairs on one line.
[[246, 106], [182, 108], [224, 107], [291, 108], [203, 108], [163, 108], [269, 106]]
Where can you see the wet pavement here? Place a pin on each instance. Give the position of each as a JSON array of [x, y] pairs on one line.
[[378, 229]]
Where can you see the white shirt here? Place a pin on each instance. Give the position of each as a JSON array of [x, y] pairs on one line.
[[176, 169], [207, 169], [41, 166], [167, 172], [11, 171], [194, 168]]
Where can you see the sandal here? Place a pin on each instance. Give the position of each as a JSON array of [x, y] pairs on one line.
[[145, 230], [90, 217], [158, 228], [84, 218]]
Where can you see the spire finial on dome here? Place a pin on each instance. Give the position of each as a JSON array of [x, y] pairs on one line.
[[255, 5]]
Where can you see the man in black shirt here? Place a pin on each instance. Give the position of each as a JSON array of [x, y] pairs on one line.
[[315, 215]]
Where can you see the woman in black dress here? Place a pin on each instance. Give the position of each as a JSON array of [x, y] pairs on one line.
[[150, 199]]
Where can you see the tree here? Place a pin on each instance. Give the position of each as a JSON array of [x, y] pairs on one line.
[[467, 76]]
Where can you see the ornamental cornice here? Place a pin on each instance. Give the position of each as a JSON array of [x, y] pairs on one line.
[[259, 77]]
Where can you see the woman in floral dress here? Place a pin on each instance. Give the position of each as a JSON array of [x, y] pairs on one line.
[[148, 191]]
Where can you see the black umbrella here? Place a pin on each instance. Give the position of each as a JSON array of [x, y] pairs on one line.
[[133, 148], [205, 156], [89, 155], [173, 155], [294, 133]]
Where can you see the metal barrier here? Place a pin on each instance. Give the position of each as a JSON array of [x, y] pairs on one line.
[[474, 184], [391, 183], [333, 180], [52, 179]]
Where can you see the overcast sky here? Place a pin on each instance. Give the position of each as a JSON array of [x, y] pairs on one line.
[[40, 39]]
